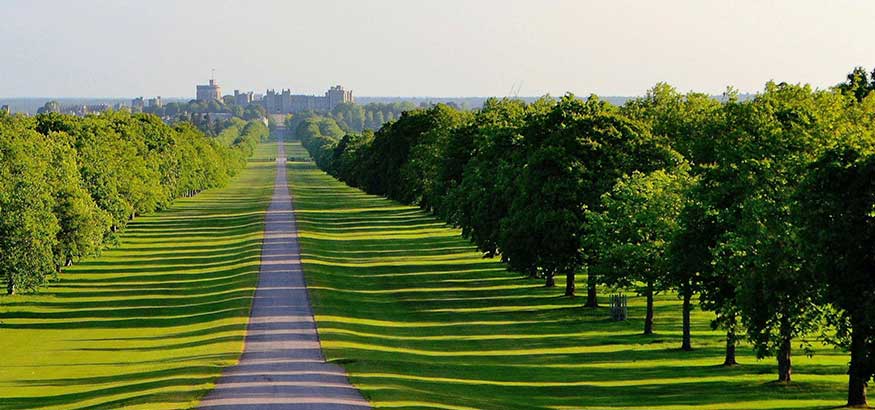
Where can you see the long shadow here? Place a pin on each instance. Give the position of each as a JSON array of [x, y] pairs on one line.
[[152, 320], [437, 324]]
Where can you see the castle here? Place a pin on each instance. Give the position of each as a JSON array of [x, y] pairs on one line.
[[211, 91], [283, 102]]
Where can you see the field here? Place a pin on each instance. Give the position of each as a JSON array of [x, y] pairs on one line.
[[417, 317], [150, 323], [421, 321]]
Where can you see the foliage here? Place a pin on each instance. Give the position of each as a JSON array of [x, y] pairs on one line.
[[837, 216], [418, 319], [632, 232], [150, 323], [519, 179], [356, 118], [71, 183]]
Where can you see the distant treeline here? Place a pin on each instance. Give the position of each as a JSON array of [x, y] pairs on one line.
[[187, 110], [68, 184], [762, 207], [356, 118], [463, 103]]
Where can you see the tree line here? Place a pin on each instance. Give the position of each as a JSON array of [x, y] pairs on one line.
[[69, 184], [191, 109], [762, 208], [357, 118]]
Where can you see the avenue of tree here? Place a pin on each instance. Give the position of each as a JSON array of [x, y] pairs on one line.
[[69, 184], [763, 209]]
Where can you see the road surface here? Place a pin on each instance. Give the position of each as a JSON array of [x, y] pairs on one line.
[[282, 366]]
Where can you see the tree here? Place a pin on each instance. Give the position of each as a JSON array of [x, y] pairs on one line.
[[82, 225], [28, 227], [689, 123], [433, 165], [858, 84], [632, 232], [760, 156], [838, 227], [49, 107], [482, 199], [66, 182], [576, 152], [348, 157], [390, 152]]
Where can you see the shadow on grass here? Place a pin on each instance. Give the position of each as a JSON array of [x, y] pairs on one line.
[[150, 322], [416, 315]]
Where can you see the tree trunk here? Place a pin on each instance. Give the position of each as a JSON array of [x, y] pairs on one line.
[[648, 318], [785, 367], [592, 300], [729, 359], [685, 339], [550, 280], [68, 262], [857, 377], [569, 284], [10, 285]]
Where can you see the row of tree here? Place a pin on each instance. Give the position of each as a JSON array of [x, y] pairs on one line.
[[195, 108], [763, 208], [68, 184], [358, 118]]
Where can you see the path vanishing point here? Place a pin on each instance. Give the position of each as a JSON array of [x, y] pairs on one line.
[[282, 366]]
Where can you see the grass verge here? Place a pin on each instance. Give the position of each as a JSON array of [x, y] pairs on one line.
[[420, 320], [150, 323]]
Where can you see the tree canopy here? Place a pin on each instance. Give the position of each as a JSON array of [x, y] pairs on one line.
[[741, 201], [70, 183]]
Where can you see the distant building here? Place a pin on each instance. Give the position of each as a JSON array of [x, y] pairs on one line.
[[243, 98], [337, 95], [219, 116], [82, 110], [155, 102], [98, 108], [137, 104], [209, 92], [284, 102]]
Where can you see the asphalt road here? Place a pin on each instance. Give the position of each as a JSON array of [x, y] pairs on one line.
[[282, 366]]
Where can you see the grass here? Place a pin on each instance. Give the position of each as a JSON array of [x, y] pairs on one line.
[[409, 307], [420, 320], [151, 323]]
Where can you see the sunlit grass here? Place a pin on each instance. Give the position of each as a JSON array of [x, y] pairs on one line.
[[421, 321], [151, 323]]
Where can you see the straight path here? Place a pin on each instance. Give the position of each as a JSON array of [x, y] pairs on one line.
[[282, 366]]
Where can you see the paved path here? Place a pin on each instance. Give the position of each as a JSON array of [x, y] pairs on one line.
[[282, 367]]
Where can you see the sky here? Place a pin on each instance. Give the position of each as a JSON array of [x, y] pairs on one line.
[[445, 48]]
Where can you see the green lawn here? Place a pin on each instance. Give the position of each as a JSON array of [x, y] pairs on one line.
[[420, 320], [149, 324]]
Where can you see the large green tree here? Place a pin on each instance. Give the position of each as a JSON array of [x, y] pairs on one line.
[[858, 83], [631, 236], [837, 214], [28, 226], [483, 197], [67, 181], [83, 225], [575, 153], [760, 156]]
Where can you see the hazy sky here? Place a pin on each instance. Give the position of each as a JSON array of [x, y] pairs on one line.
[[426, 48]]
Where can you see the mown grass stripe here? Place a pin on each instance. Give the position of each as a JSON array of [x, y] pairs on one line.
[[490, 339], [150, 323]]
